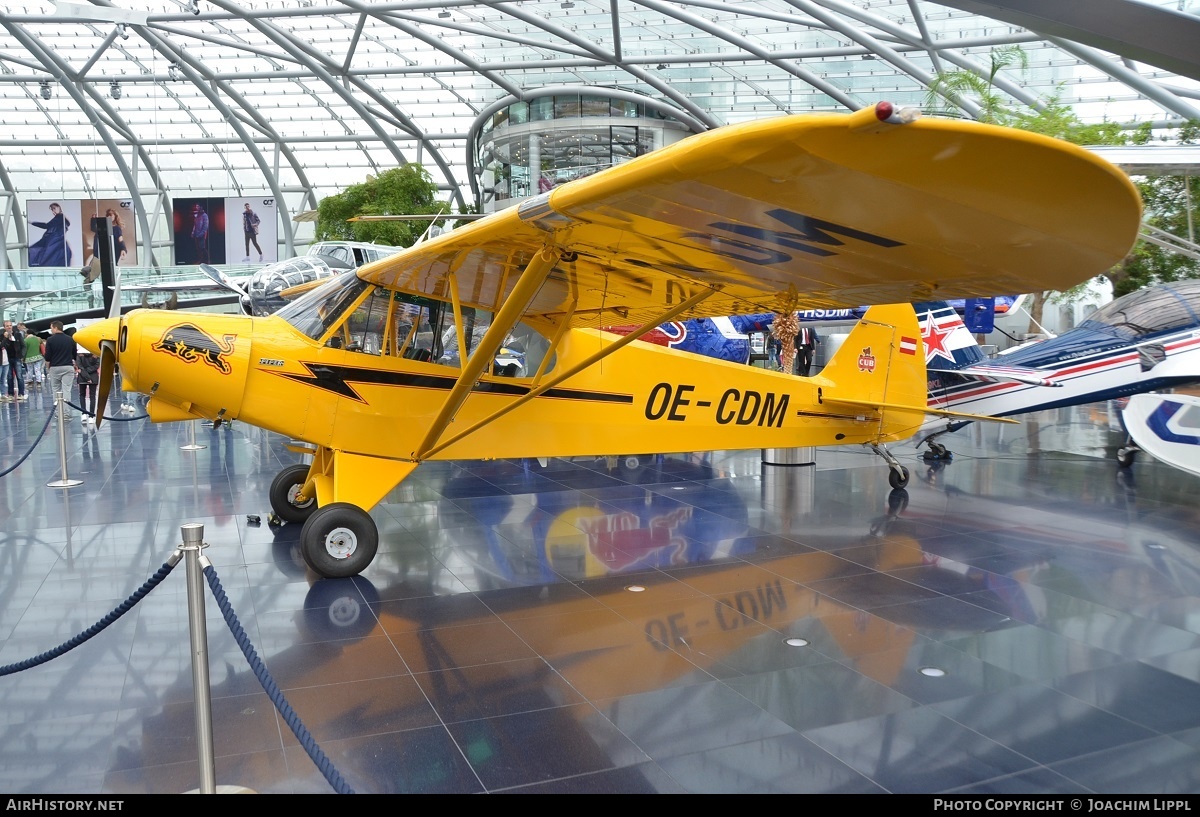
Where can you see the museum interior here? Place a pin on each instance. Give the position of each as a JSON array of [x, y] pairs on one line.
[[1000, 608]]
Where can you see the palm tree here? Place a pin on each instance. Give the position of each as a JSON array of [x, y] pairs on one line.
[[963, 88]]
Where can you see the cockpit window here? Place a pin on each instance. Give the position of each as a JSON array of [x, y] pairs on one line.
[[1150, 311], [316, 311], [396, 324]]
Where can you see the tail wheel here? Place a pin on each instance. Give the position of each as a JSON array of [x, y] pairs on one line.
[[284, 488], [339, 540], [898, 479]]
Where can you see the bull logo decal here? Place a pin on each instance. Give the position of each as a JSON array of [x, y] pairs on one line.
[[189, 343]]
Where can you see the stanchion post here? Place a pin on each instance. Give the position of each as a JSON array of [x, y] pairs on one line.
[[193, 543], [192, 445], [64, 482]]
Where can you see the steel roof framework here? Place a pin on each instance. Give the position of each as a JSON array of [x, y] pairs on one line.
[[299, 98]]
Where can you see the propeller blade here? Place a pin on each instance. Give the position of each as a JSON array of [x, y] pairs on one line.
[[222, 280], [108, 364]]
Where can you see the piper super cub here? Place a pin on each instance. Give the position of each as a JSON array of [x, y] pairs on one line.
[[835, 210]]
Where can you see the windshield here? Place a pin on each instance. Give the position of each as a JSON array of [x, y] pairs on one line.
[[316, 311]]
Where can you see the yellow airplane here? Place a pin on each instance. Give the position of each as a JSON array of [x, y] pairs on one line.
[[836, 210]]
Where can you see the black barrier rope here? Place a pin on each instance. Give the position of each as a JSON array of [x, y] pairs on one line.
[[25, 456], [123, 608], [272, 689], [82, 410]]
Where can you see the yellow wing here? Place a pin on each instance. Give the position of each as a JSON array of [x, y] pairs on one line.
[[845, 210]]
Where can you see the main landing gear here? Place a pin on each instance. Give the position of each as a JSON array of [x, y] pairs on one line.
[[337, 540], [1127, 454]]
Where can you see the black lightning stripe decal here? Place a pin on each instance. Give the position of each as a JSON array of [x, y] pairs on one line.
[[337, 379]]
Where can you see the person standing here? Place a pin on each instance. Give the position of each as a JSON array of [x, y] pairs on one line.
[[806, 344], [250, 225], [14, 352], [35, 371], [87, 375], [60, 358], [200, 232]]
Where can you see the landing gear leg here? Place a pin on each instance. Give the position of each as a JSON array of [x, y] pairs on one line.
[[936, 451], [897, 473]]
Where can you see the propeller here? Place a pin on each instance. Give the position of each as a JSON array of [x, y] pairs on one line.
[[108, 364], [108, 355], [222, 280]]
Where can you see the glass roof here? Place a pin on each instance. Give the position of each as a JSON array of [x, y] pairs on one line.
[[296, 99]]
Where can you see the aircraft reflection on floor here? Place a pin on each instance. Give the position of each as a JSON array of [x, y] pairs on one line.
[[733, 590]]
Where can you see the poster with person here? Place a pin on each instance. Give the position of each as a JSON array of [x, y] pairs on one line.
[[55, 232], [252, 230], [124, 229], [199, 226]]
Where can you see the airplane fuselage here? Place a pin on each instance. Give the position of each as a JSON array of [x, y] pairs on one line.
[[642, 399], [1089, 366]]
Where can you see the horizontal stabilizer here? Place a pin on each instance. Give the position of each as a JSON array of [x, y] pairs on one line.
[[1001, 374], [962, 415]]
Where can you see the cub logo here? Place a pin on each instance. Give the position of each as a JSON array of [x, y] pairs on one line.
[[866, 361], [189, 344]]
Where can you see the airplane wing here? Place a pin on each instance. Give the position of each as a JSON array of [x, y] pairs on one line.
[[840, 209], [1000, 374], [207, 282]]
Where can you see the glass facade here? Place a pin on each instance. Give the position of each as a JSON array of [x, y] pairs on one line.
[[528, 148]]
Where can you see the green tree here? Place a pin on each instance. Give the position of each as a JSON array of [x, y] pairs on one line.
[[958, 86], [1170, 201], [1171, 204], [402, 191]]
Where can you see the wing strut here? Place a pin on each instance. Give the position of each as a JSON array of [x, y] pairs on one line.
[[506, 318], [670, 314]]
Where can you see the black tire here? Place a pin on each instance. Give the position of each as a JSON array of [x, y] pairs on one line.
[[283, 490], [1126, 457], [898, 480], [339, 540]]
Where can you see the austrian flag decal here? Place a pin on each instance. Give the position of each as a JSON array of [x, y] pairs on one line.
[[908, 346]]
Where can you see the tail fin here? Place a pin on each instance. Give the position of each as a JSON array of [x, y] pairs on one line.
[[881, 366], [948, 343]]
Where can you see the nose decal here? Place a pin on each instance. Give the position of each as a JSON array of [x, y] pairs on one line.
[[189, 343]]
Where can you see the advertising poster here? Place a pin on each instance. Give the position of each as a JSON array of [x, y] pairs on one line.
[[124, 229], [199, 225], [252, 230], [55, 233]]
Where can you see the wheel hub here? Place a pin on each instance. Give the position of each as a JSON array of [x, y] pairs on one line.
[[340, 543], [293, 494]]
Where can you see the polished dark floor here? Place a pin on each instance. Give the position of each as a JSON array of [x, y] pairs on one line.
[[783, 639]]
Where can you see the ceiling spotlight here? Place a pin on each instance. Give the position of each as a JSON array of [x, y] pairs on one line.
[[123, 31], [114, 90], [193, 6], [568, 4], [661, 66], [47, 91], [174, 72], [443, 14]]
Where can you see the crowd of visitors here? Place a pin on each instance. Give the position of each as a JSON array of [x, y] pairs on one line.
[[52, 360]]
